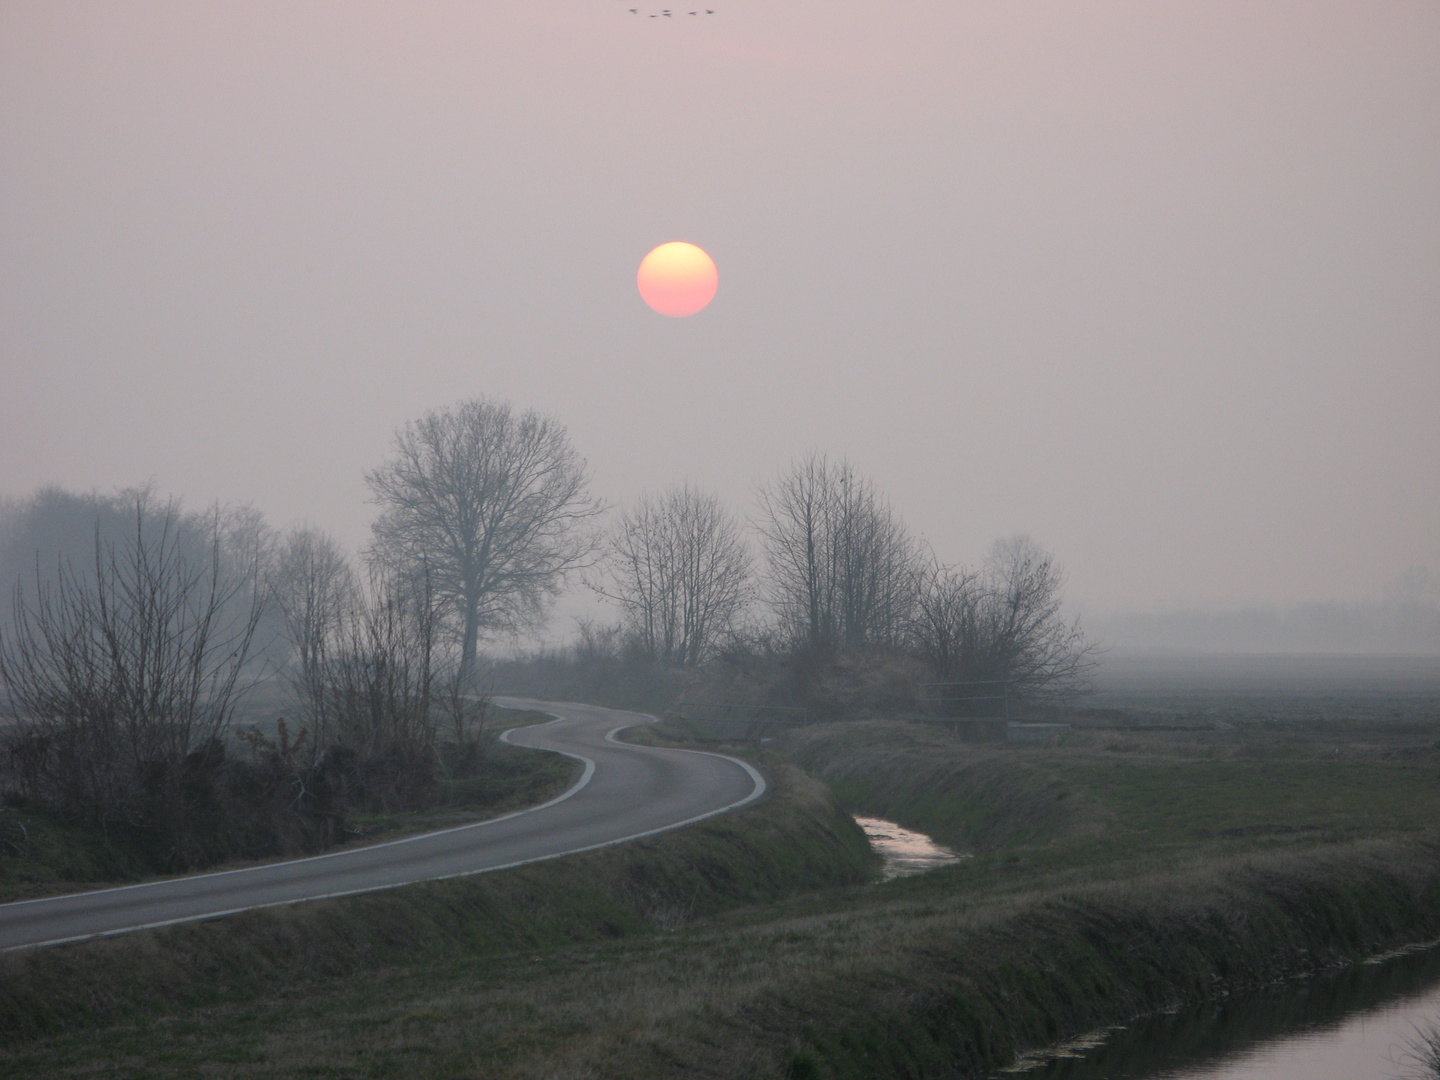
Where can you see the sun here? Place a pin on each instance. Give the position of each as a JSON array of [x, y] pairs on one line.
[[677, 279]]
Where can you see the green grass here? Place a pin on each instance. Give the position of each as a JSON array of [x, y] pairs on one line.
[[1124, 794], [931, 979], [1158, 801], [795, 841], [1115, 875], [509, 778], [42, 855]]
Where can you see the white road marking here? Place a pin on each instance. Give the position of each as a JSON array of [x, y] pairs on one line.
[[760, 787]]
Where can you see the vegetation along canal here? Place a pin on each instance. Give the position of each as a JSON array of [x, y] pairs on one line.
[[1365, 1022]]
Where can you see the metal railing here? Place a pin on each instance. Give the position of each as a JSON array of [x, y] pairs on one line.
[[969, 700]]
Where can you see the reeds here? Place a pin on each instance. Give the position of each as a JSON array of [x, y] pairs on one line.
[[1420, 1058]]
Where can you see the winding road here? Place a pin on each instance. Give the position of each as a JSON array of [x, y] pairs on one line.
[[624, 792]]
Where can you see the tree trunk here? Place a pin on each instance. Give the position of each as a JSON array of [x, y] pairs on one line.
[[472, 639]]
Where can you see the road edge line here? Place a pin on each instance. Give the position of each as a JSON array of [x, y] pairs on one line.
[[585, 777], [761, 786]]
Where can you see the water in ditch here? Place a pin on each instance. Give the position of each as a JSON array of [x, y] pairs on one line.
[[905, 852], [1360, 1023]]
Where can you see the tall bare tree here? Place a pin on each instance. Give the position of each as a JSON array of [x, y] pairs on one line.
[[841, 566], [490, 506], [678, 565]]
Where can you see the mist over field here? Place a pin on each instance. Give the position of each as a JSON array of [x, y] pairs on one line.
[[1404, 620]]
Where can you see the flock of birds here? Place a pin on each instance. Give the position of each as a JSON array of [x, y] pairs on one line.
[[666, 13]]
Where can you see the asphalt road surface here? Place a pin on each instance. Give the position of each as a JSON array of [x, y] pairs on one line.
[[624, 792]]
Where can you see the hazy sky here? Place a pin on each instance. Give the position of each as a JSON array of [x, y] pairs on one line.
[[1158, 283]]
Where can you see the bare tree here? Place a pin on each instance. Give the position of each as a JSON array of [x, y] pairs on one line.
[[1002, 623], [379, 682], [488, 505], [246, 538], [314, 588], [842, 566], [116, 672], [946, 628], [596, 643], [1034, 646], [679, 567]]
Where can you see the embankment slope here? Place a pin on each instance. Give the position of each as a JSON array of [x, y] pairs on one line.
[[794, 840]]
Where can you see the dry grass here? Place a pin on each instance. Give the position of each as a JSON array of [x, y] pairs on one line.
[[797, 840], [1163, 875], [869, 983], [1420, 1057]]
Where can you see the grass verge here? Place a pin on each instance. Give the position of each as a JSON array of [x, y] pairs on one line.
[[41, 854], [931, 979], [796, 840]]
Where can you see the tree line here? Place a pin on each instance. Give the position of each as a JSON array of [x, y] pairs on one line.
[[125, 655]]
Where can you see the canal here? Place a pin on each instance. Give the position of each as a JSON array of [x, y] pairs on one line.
[[1365, 1022], [1359, 1023]]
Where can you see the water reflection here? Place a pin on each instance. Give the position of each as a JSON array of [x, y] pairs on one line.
[[1353, 1024], [905, 852]]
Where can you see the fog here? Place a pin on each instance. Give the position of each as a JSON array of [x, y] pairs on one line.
[[1158, 284], [1388, 626]]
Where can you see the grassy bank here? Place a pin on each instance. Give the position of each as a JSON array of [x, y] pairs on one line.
[[965, 991], [931, 979], [1115, 876], [795, 840], [1105, 795]]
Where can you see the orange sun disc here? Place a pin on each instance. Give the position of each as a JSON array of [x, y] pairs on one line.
[[677, 279]]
